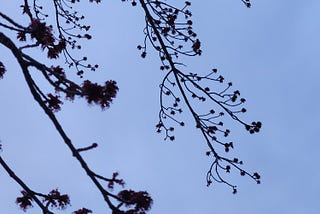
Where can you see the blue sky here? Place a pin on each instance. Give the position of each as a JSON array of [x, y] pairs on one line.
[[270, 52]]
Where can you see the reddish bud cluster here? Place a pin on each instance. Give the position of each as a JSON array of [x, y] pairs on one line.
[[24, 202], [43, 34], [71, 88], [58, 71], [21, 36], [141, 201], [53, 102], [115, 180], [55, 50], [102, 95], [55, 199], [2, 70]]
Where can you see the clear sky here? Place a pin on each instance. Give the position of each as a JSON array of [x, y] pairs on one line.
[[271, 54]]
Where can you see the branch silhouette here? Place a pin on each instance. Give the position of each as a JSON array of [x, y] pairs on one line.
[[169, 31], [102, 95]]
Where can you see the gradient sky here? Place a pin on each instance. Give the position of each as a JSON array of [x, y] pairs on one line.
[[271, 54]]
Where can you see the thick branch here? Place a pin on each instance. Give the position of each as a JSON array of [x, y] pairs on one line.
[[18, 55]]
